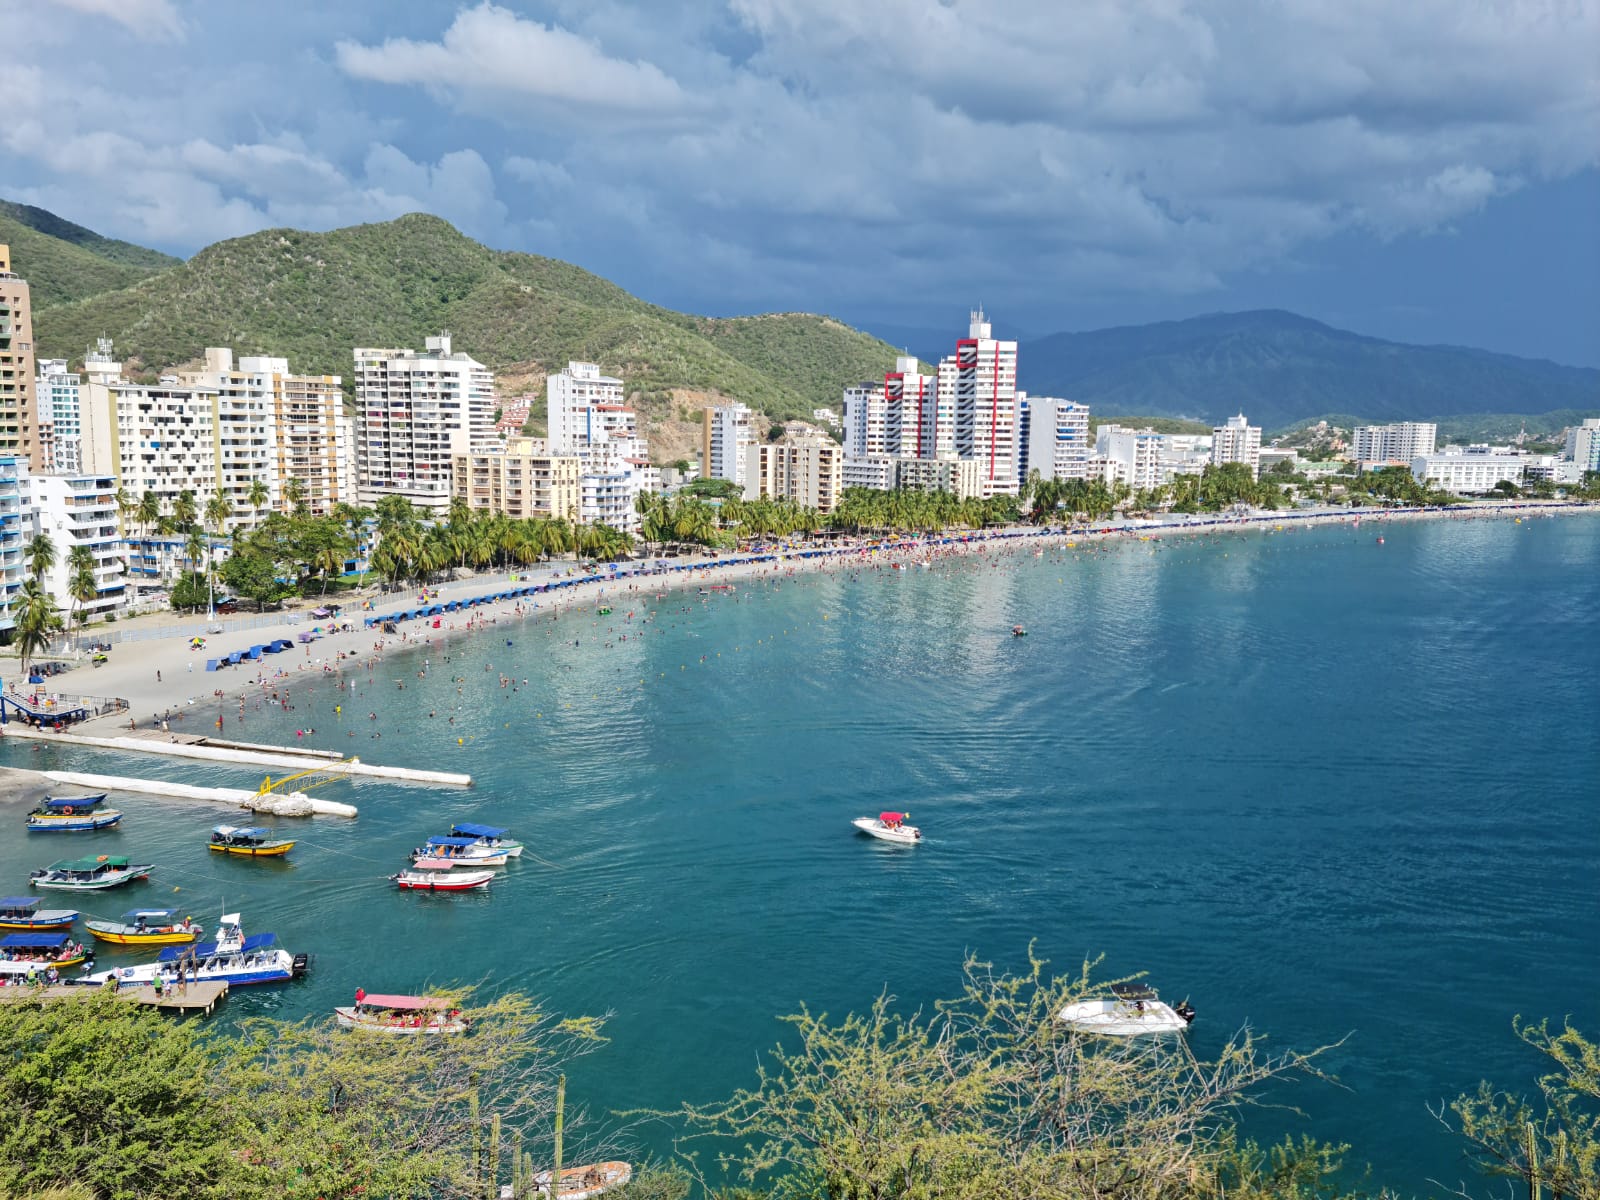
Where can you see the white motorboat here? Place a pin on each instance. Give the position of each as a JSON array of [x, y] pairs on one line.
[[232, 958], [890, 827], [467, 851], [438, 875], [1133, 1010]]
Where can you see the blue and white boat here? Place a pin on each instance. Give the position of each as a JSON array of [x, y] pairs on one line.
[[468, 851], [72, 814], [488, 835], [23, 912], [232, 958]]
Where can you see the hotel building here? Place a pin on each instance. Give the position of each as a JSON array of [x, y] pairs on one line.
[[1472, 470], [806, 470], [1399, 443], [1237, 441], [19, 414], [522, 479], [415, 413]]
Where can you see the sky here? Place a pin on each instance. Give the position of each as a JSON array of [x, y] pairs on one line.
[[1424, 171]]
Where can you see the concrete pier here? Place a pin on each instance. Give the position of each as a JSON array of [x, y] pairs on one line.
[[186, 791], [280, 758]]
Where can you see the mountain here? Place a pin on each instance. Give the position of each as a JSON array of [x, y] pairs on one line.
[[63, 262], [1278, 368], [312, 297]]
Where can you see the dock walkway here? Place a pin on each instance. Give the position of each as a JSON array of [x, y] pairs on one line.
[[190, 998]]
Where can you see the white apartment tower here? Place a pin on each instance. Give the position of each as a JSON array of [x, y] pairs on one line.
[[79, 511], [1393, 443], [726, 435], [981, 381], [1134, 455], [587, 418], [574, 397], [1058, 446], [59, 395], [912, 413], [1237, 441], [1583, 445], [414, 414]]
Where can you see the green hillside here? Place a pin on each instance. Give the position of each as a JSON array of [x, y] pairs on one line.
[[312, 297], [62, 261]]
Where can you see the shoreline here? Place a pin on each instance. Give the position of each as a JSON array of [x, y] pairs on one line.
[[162, 711]]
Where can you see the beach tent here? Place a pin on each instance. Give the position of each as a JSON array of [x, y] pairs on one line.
[[280, 645], [254, 652], [452, 606], [233, 659], [211, 664], [306, 636]]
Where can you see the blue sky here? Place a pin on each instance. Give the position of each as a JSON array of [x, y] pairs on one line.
[[1427, 171]]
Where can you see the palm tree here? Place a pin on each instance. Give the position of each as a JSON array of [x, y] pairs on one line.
[[37, 621], [149, 511], [127, 508], [185, 512], [330, 561], [258, 495], [194, 547], [80, 568], [294, 495], [41, 556]]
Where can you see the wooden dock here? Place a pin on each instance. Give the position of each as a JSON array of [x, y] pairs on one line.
[[191, 998]]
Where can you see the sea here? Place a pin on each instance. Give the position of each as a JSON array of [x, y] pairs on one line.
[[1339, 786]]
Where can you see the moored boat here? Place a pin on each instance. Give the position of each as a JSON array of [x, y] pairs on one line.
[[402, 1014], [890, 827], [580, 1183], [146, 927], [490, 836], [251, 841], [90, 874], [1018, 631], [232, 958], [436, 875], [1134, 1009], [45, 949], [23, 912], [72, 814], [465, 850]]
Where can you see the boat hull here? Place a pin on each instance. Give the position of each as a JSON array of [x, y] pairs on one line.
[[448, 881], [1118, 1018], [903, 835], [38, 823], [53, 920], [270, 850], [110, 880], [348, 1018], [473, 861], [120, 935], [580, 1183]]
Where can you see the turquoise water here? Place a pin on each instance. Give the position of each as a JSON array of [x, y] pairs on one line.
[[1316, 784]]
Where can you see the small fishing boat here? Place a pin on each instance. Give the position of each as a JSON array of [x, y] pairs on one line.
[[232, 958], [251, 841], [45, 949], [1133, 1010], [72, 814], [890, 827], [466, 850], [402, 1014], [1018, 631], [488, 835], [579, 1183], [146, 927], [436, 875], [90, 874], [23, 912]]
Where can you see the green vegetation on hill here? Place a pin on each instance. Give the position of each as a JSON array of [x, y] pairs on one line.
[[63, 262], [1159, 424], [314, 296]]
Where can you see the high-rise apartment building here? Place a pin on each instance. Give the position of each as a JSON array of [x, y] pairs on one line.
[[806, 470], [981, 381], [1237, 441], [414, 414], [1583, 445], [1393, 443], [79, 512], [521, 479], [576, 399], [11, 535], [916, 424], [19, 414], [59, 395], [1134, 455], [726, 436], [587, 418], [1057, 444]]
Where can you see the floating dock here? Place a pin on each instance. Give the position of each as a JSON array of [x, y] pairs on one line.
[[234, 754], [241, 797], [201, 998]]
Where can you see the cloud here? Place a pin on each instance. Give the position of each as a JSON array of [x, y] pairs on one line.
[[150, 20], [491, 51]]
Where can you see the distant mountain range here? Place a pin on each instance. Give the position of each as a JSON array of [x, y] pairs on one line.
[[313, 296]]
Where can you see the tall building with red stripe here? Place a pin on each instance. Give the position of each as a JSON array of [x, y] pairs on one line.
[[911, 411], [978, 383]]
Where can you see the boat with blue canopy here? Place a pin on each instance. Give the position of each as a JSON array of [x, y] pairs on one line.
[[90, 874], [46, 949], [232, 958], [72, 814], [23, 912], [462, 850], [491, 836]]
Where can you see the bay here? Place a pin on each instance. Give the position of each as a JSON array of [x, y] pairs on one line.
[[1321, 786]]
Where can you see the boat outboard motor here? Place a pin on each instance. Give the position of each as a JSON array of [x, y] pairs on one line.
[[300, 965], [1185, 1010]]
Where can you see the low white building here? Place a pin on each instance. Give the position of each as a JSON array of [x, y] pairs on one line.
[[78, 511], [875, 472], [1475, 470]]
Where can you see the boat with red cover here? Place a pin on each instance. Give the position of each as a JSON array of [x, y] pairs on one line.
[[890, 827], [402, 1014]]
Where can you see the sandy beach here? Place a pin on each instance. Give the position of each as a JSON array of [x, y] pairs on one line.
[[170, 693]]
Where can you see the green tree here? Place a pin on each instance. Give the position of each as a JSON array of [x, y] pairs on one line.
[[36, 620], [40, 556], [185, 511], [258, 495], [149, 511], [88, 1110], [254, 575], [81, 583]]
